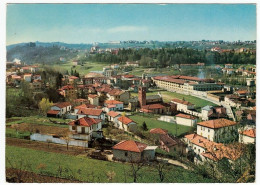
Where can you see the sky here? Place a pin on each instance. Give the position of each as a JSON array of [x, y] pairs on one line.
[[88, 23]]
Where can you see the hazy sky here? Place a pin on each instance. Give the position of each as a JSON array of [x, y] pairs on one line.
[[88, 23]]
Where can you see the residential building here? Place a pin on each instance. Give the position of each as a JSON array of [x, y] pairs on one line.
[[216, 130], [112, 116], [182, 105], [126, 124], [59, 109], [185, 119], [86, 128], [172, 144], [113, 105], [93, 99], [247, 136], [119, 95], [133, 151]]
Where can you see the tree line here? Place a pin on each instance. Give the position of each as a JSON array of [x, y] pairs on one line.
[[170, 56]]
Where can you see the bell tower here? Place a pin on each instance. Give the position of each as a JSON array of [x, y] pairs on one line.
[[142, 96]]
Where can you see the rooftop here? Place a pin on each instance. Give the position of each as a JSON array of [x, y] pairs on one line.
[[129, 145]]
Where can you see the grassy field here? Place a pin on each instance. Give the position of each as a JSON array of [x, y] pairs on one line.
[[39, 120], [152, 122], [168, 96], [83, 70], [91, 170]]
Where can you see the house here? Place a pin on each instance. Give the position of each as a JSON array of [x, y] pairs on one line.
[[247, 136], [119, 95], [133, 64], [229, 66], [209, 112], [59, 109], [91, 112], [170, 144], [112, 116], [27, 77], [183, 105], [93, 99], [86, 128], [155, 109], [185, 119], [158, 131], [73, 79], [217, 130], [67, 91], [126, 124], [113, 105], [133, 151], [75, 62], [206, 150]]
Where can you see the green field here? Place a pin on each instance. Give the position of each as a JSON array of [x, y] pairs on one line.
[[168, 96], [152, 122], [91, 170], [83, 70], [39, 120]]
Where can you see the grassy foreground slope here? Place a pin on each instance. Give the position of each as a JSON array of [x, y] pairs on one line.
[[91, 170]]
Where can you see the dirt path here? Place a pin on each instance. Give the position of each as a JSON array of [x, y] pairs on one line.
[[174, 162], [56, 148]]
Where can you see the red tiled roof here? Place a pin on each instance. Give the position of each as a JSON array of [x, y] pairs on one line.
[[90, 111], [62, 104], [116, 92], [85, 121], [54, 112], [181, 101], [67, 87], [83, 106], [153, 106], [185, 116], [158, 131], [128, 76], [110, 106], [217, 123], [92, 96], [169, 79], [249, 132], [113, 102], [128, 145], [113, 114], [125, 120], [73, 77]]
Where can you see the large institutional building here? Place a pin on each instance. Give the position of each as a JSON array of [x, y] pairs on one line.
[[186, 83]]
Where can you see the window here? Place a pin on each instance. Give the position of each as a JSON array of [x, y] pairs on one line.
[[199, 150], [73, 128], [126, 154], [209, 130], [201, 128]]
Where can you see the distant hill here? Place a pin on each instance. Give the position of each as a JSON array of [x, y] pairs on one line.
[[39, 53]]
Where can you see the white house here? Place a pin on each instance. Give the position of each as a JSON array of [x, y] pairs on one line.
[[86, 128], [59, 109], [93, 99], [91, 112], [119, 95], [113, 116], [27, 77], [205, 112], [125, 124], [113, 105], [182, 105], [187, 120], [247, 136], [206, 150], [216, 130]]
